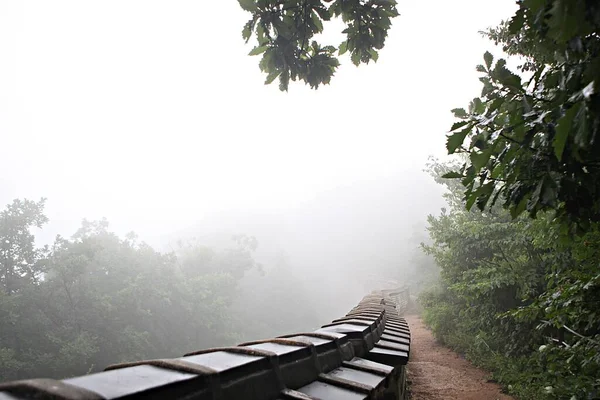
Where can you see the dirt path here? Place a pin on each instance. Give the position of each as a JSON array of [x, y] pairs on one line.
[[436, 372]]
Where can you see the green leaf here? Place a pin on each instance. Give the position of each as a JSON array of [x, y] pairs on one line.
[[481, 68], [512, 80], [285, 27], [317, 21], [457, 125], [456, 140], [271, 77], [566, 20], [483, 194], [497, 171], [247, 31], [260, 34], [518, 209], [355, 57], [343, 48], [284, 81], [563, 128], [495, 104], [488, 58], [477, 106], [517, 21], [534, 5], [487, 89], [469, 176], [248, 5], [480, 160], [452, 175], [549, 193], [323, 13], [258, 50], [374, 54], [459, 113]]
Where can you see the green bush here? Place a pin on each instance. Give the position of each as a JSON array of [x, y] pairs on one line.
[[517, 298]]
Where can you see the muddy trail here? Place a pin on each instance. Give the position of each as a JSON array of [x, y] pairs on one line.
[[436, 372]]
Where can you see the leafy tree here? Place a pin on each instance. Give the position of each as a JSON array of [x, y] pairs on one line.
[[515, 299], [285, 31], [19, 259], [98, 299], [532, 137], [21, 268]]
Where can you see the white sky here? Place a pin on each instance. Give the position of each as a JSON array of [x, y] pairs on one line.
[[151, 114]]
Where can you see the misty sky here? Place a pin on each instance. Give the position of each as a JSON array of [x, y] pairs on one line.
[[150, 113]]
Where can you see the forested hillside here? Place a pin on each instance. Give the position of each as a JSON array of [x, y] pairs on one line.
[[95, 299]]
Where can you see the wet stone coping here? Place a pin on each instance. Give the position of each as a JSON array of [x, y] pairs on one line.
[[357, 356]]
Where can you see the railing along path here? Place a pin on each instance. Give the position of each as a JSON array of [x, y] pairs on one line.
[[359, 356]]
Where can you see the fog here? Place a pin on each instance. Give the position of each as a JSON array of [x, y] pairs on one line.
[[151, 114], [343, 243]]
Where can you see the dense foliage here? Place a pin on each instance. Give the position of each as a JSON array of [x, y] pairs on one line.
[[526, 291], [517, 300], [285, 31], [533, 136], [97, 299]]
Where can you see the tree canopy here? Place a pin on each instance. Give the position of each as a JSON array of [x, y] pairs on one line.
[[287, 32], [532, 137], [97, 299], [514, 299], [19, 259]]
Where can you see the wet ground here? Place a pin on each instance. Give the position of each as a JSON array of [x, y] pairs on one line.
[[436, 372]]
